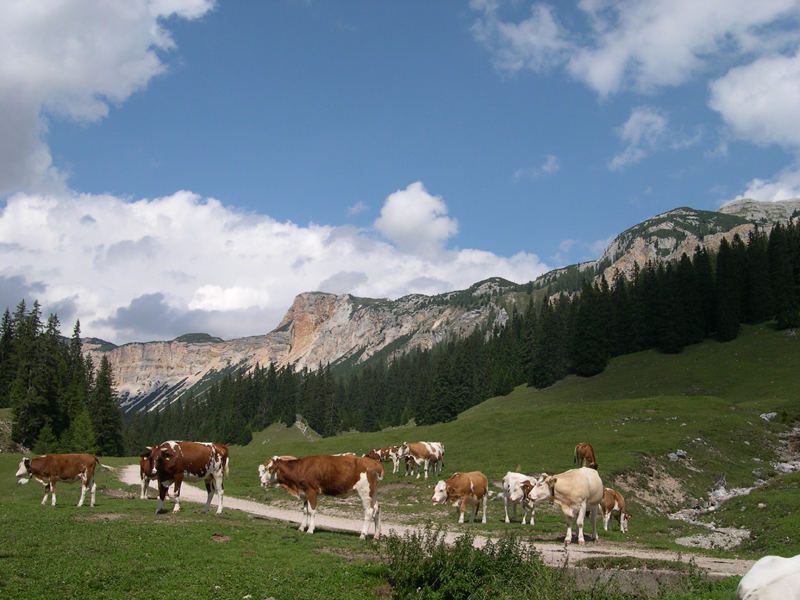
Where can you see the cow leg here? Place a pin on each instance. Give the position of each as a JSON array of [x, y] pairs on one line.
[[312, 511], [210, 491], [606, 519], [219, 483], [580, 519], [462, 505], [93, 491], [426, 468], [143, 490], [49, 488], [376, 518], [484, 499], [623, 522], [178, 482], [594, 522], [505, 507], [304, 521], [395, 464]]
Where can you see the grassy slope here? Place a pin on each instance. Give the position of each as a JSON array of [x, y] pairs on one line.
[[706, 401]]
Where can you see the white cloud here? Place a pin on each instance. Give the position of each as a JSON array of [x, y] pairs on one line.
[[785, 187], [356, 208], [637, 44], [761, 101], [72, 59], [642, 132], [550, 166], [415, 221], [134, 270]]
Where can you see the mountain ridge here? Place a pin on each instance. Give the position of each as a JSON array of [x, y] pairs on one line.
[[321, 328]]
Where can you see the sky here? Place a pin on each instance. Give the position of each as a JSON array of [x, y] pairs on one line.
[[177, 166]]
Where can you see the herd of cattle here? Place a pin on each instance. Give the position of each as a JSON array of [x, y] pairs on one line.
[[577, 492]]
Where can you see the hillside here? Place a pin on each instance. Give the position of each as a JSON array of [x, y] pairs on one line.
[[321, 328], [704, 406]]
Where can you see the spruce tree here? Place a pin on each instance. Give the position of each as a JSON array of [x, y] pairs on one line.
[[106, 418]]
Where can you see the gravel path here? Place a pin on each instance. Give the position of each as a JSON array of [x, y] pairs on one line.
[[552, 554]]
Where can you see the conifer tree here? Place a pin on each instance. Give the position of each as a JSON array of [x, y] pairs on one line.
[[782, 278], [105, 413]]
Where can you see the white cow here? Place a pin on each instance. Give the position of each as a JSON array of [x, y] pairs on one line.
[[771, 578], [576, 491], [424, 454], [512, 493]]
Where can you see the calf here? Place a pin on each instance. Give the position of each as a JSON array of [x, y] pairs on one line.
[[389, 453], [576, 491], [583, 455], [461, 489], [50, 468], [425, 454], [512, 493], [771, 578], [308, 477], [193, 461], [613, 504]]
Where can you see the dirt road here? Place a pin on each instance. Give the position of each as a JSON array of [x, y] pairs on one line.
[[552, 554]]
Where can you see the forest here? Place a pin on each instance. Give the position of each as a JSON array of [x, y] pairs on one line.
[[52, 389]]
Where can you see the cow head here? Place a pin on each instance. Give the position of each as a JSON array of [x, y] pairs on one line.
[[24, 468], [268, 472], [403, 450], [164, 455], [538, 491], [147, 461], [440, 492]]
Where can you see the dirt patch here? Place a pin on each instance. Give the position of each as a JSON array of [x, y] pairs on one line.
[[348, 555], [218, 537], [118, 493], [656, 488], [100, 517]]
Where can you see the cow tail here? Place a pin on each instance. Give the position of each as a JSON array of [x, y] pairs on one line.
[[227, 463], [575, 455], [102, 466]]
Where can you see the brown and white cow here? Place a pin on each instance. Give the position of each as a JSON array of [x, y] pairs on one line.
[[576, 491], [462, 489], [513, 493], [386, 454], [173, 462], [424, 454], [308, 477], [50, 468], [583, 455], [613, 504]]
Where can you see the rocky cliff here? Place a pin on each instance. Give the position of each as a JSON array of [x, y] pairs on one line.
[[321, 329], [318, 329]]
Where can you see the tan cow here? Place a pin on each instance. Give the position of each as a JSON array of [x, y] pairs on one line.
[[50, 468], [308, 477], [583, 455], [613, 504], [462, 489], [576, 491], [424, 454], [172, 462]]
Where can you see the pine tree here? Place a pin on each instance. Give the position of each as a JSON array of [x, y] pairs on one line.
[[782, 278], [590, 349], [728, 294], [105, 413], [79, 436]]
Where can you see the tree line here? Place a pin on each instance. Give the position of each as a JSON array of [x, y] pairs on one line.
[[662, 306], [60, 402]]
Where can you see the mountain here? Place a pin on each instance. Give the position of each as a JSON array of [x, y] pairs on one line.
[[321, 328]]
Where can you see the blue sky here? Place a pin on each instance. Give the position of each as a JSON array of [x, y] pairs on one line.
[[183, 165]]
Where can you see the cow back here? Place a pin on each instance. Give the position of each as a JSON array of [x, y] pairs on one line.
[[63, 466], [466, 484], [572, 487], [329, 474]]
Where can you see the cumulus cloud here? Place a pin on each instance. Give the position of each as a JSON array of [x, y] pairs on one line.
[[642, 133], [74, 60], [634, 44], [785, 186], [136, 270], [759, 101], [415, 221]]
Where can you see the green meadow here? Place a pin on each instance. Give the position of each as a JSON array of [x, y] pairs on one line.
[[706, 401]]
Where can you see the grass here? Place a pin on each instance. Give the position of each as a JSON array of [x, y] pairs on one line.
[[706, 401]]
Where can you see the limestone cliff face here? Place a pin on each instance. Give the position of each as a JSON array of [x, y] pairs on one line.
[[318, 329]]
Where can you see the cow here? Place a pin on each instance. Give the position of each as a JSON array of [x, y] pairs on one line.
[[771, 578], [308, 477], [174, 461], [461, 489], [147, 473], [613, 504], [576, 491], [512, 493], [50, 468], [389, 453], [425, 454], [583, 456]]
